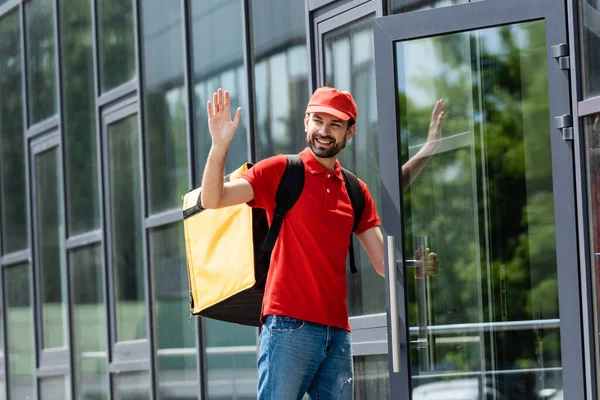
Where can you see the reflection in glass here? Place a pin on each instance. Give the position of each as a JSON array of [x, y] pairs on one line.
[[54, 388], [131, 386], [13, 212], [402, 6], [164, 104], [175, 335], [117, 43], [590, 47], [484, 204], [230, 360], [89, 322], [126, 228], [79, 123], [41, 61], [49, 235], [349, 66], [592, 138], [218, 63], [280, 76], [19, 332]]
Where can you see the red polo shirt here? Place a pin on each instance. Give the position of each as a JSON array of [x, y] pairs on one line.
[[307, 275]]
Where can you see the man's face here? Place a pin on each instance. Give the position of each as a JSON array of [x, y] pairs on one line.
[[326, 135]]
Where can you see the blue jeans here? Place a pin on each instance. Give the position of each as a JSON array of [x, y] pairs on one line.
[[298, 357]]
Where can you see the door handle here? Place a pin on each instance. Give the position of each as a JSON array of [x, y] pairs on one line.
[[393, 287]]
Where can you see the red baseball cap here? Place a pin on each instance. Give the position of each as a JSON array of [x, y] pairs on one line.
[[338, 103]]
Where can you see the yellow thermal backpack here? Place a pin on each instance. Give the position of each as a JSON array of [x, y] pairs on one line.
[[228, 250]]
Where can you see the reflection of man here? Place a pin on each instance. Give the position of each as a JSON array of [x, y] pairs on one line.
[[304, 344]]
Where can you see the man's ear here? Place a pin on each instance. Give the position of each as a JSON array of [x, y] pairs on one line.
[[306, 122], [350, 132]]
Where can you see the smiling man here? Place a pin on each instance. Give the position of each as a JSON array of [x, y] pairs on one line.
[[304, 344]]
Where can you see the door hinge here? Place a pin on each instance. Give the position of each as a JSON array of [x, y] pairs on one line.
[[560, 52], [564, 123]]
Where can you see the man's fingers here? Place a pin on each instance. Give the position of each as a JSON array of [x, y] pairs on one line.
[[209, 109], [216, 102], [238, 117], [220, 97], [226, 100]]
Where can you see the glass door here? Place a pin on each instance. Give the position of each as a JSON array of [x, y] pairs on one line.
[[478, 212]]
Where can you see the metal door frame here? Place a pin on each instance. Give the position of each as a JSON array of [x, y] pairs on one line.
[[464, 17]]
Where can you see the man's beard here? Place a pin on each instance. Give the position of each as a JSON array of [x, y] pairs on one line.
[[328, 152]]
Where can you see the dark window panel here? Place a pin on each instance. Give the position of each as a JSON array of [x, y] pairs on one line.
[[20, 332], [349, 65], [218, 63], [13, 204], [126, 229], [164, 104], [116, 43], [280, 75], [79, 124], [131, 385], [54, 388], [50, 245], [41, 60], [590, 47], [175, 335], [89, 322]]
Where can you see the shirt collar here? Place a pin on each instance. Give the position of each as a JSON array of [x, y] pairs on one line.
[[314, 166]]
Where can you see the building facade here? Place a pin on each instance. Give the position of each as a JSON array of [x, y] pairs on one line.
[[103, 128]]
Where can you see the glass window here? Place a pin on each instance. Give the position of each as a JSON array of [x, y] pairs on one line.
[[19, 332], [126, 229], [50, 244], [89, 322], [402, 6], [371, 378], [131, 385], [590, 47], [175, 335], [54, 388], [41, 61], [349, 65], [280, 76], [218, 63], [230, 360], [117, 43], [79, 111], [13, 209], [164, 104], [484, 202], [592, 137]]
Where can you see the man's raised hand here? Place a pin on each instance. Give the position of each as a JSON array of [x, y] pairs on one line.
[[221, 127]]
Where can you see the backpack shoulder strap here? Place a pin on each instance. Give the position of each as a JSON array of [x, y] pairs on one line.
[[357, 199], [288, 191]]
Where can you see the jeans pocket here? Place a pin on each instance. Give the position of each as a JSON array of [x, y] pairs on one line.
[[283, 324]]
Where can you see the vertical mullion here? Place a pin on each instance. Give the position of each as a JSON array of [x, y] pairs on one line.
[[100, 138], [30, 204], [311, 40], [249, 67], [193, 180], [63, 198], [137, 29], [188, 81]]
